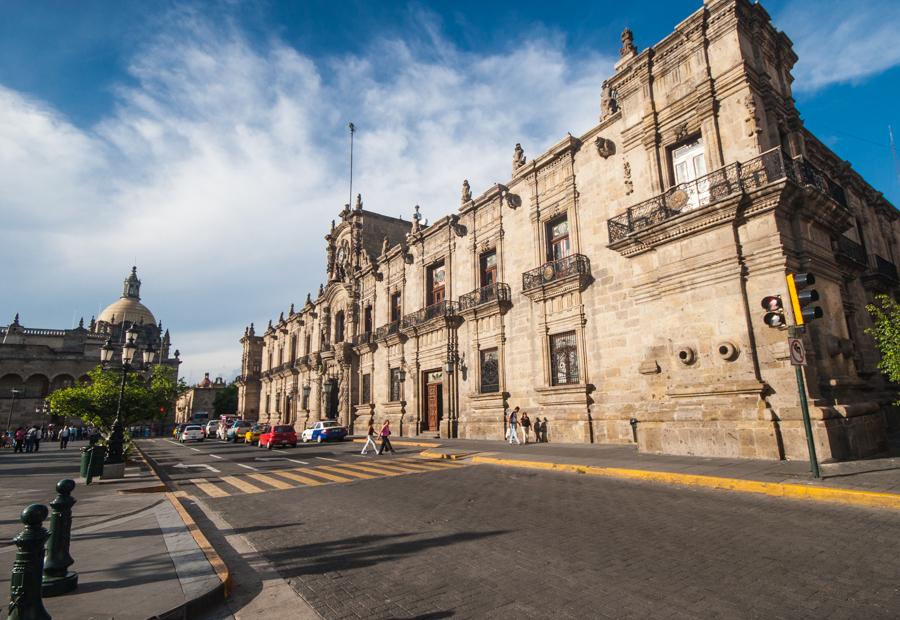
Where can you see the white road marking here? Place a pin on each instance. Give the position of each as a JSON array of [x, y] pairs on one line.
[[195, 449], [209, 467], [328, 459], [215, 456], [246, 466], [280, 458]]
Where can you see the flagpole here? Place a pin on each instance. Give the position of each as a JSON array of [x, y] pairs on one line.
[[352, 131]]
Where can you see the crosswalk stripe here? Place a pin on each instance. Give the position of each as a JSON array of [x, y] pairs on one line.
[[347, 471], [246, 487], [416, 466], [304, 479], [402, 468], [326, 475], [210, 489], [274, 482], [374, 468], [434, 464]]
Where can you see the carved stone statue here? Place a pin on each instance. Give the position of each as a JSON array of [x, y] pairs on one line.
[[385, 246], [518, 157], [629, 184], [466, 192], [752, 120], [417, 219], [359, 202], [628, 48]]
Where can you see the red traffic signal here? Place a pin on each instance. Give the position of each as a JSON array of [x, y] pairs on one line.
[[774, 308]]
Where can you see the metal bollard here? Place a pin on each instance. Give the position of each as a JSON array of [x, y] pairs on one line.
[[57, 577], [25, 582]]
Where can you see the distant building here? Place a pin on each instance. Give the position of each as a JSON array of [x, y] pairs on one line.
[[35, 362], [612, 284], [196, 403]]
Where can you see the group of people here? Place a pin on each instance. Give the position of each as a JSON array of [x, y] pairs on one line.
[[28, 439], [384, 433], [517, 420]]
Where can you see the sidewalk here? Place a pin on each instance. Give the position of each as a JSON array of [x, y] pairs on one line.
[[877, 476], [134, 554]]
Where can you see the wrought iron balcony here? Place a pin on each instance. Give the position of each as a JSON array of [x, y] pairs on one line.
[[851, 250], [363, 338], [771, 166], [386, 330], [885, 268], [554, 271], [444, 309], [492, 292]]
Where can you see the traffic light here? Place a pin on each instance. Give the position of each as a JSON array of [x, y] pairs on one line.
[[801, 299], [774, 311]]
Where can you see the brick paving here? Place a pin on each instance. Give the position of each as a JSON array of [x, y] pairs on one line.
[[492, 542]]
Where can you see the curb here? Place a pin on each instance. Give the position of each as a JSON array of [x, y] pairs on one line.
[[870, 499], [191, 608], [421, 444], [452, 456]]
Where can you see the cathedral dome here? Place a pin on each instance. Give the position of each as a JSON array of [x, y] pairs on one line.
[[128, 307]]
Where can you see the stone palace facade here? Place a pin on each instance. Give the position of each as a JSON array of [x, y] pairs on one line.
[[612, 285]]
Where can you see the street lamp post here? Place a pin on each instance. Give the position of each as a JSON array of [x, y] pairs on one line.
[[12, 404]]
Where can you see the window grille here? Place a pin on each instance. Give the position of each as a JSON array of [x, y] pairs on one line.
[[563, 359], [395, 384], [490, 371]]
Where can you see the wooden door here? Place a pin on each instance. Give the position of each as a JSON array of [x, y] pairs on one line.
[[434, 404]]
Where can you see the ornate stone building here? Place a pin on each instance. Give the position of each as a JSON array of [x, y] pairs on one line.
[[199, 399], [612, 285], [35, 362]]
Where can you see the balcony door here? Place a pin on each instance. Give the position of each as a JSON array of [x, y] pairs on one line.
[[689, 165], [558, 243]]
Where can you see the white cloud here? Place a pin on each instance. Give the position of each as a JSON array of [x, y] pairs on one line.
[[221, 165], [838, 41]]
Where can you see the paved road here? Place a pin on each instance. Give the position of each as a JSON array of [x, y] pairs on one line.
[[481, 541]]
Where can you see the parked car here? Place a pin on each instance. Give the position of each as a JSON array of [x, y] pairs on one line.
[[252, 436], [192, 432], [177, 430], [279, 435], [325, 430], [238, 430]]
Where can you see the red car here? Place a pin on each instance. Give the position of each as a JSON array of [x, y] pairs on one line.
[[279, 435]]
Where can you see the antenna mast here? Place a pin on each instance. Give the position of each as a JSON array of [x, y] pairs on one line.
[[352, 131]]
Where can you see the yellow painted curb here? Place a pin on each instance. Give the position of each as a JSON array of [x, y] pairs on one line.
[[400, 442], [212, 556], [853, 497], [453, 456]]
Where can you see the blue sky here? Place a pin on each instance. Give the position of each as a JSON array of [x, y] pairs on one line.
[[207, 141]]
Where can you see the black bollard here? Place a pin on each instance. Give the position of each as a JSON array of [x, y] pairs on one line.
[[25, 582], [57, 577]]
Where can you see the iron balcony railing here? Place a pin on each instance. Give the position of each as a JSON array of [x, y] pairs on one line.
[[576, 264], [771, 166], [492, 292], [885, 268], [849, 248], [363, 338], [444, 308], [386, 330], [302, 360]]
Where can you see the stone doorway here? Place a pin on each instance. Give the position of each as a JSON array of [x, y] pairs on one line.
[[433, 383]]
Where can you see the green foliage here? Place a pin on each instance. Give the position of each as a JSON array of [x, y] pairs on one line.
[[886, 331], [95, 401], [226, 400]]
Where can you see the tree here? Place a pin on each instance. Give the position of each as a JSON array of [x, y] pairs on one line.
[[95, 400], [226, 401], [886, 331]]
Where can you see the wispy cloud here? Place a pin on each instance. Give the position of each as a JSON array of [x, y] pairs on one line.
[[223, 162], [840, 41]]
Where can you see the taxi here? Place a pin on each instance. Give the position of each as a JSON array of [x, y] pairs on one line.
[[252, 436]]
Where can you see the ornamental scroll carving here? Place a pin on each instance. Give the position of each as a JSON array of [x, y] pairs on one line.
[[605, 147]]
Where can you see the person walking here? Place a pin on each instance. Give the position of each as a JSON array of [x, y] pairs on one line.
[[19, 440], [64, 437], [385, 438], [525, 423], [370, 438], [513, 424], [29, 440], [38, 435]]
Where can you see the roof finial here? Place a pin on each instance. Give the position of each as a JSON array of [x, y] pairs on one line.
[[359, 202], [16, 319], [81, 323]]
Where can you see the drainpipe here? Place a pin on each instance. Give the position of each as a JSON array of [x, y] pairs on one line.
[[634, 423]]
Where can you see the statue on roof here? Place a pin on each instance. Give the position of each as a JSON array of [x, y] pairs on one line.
[[628, 48], [466, 192], [359, 202], [518, 157]]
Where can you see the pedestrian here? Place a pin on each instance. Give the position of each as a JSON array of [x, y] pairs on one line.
[[537, 430], [38, 435], [64, 437], [19, 440], [513, 424], [370, 437], [29, 439], [544, 431], [385, 438], [525, 423]]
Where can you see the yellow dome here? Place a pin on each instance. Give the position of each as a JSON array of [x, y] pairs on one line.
[[127, 309]]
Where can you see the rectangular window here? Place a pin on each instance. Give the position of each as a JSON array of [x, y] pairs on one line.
[[435, 285], [306, 345], [395, 306], [488, 268], [268, 403], [366, 388], [490, 371], [689, 167], [395, 384], [558, 243], [367, 321], [563, 359], [278, 403], [293, 348]]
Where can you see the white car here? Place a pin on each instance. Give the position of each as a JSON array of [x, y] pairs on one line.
[[211, 427], [192, 432], [324, 431]]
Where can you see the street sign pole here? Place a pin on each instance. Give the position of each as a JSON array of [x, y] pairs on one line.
[[798, 362]]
